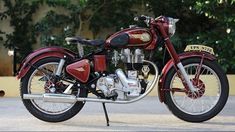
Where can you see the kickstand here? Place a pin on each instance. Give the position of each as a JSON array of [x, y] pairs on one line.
[[106, 114]]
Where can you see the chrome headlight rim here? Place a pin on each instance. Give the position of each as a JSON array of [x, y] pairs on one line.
[[172, 26]]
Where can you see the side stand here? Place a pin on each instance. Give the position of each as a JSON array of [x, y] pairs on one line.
[[106, 114]]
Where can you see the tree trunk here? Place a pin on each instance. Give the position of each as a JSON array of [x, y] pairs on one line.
[[79, 46]]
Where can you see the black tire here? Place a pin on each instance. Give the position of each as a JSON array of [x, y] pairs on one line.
[[39, 114], [208, 114]]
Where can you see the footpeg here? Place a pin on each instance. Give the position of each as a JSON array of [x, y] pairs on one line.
[[113, 95]]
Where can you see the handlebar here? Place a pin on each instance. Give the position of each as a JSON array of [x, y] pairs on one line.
[[140, 18], [144, 18]]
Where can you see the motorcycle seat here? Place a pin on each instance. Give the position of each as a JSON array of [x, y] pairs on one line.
[[79, 40]]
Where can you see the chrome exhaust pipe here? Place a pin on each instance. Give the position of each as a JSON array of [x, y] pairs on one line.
[[48, 97], [61, 98]]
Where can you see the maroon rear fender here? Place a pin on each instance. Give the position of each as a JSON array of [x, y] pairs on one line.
[[40, 54], [170, 64]]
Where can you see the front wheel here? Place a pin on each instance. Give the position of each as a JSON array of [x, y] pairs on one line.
[[212, 86]]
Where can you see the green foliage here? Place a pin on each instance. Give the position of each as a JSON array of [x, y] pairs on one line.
[[210, 22], [1, 33], [23, 36], [222, 36], [115, 13], [51, 27], [54, 27]]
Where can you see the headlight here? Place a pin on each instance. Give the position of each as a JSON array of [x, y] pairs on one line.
[[171, 25]]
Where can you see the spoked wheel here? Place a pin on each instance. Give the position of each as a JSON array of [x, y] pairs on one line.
[[37, 82], [210, 97]]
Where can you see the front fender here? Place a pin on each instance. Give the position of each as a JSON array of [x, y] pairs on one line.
[[170, 64], [40, 54]]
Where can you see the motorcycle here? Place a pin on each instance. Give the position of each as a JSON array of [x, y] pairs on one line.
[[56, 82]]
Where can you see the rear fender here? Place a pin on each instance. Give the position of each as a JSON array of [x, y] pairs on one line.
[[170, 64], [40, 54]]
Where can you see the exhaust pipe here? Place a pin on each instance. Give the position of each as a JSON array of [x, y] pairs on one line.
[[56, 98], [61, 98], [2, 93]]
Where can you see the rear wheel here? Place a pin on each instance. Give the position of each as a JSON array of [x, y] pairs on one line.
[[212, 87], [36, 82]]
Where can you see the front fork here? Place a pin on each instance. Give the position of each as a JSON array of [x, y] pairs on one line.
[[179, 65], [176, 59], [186, 78]]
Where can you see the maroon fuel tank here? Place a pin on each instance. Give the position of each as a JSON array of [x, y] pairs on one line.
[[131, 37]]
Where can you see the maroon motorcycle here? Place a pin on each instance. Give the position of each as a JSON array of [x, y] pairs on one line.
[[55, 82]]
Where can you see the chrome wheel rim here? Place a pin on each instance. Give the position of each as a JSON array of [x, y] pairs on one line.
[[37, 87], [204, 103]]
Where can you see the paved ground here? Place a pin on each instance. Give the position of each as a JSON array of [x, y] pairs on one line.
[[146, 115]]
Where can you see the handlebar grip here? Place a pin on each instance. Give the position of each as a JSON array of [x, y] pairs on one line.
[[140, 18]]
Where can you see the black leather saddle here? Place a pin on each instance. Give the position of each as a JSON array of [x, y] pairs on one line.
[[76, 40]]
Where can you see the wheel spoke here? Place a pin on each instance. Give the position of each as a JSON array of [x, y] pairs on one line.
[[38, 87], [183, 101], [202, 103]]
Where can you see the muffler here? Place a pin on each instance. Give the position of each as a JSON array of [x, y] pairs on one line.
[[48, 97]]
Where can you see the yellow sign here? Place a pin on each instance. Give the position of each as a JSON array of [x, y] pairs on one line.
[[199, 48]]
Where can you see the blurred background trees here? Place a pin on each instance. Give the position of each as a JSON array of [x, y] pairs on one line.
[[210, 23]]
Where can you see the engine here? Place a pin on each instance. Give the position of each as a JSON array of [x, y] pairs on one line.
[[128, 82], [128, 57]]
